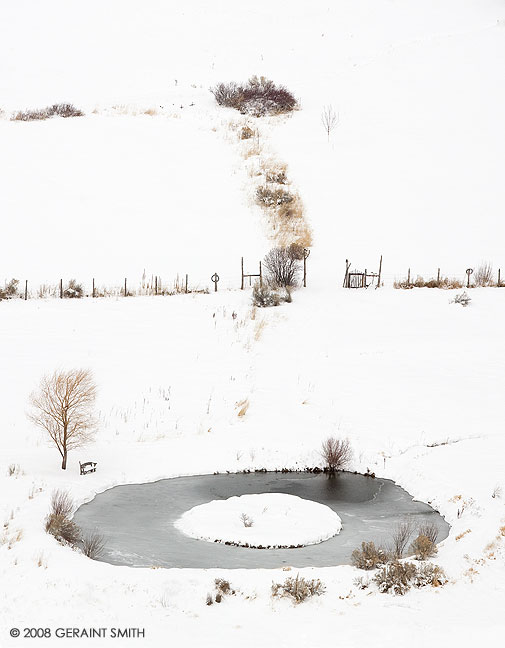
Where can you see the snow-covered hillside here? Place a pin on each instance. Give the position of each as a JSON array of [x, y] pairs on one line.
[[154, 177]]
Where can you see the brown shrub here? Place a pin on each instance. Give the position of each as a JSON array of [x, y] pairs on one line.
[[246, 133], [63, 529], [275, 173], [429, 530], [223, 586], [299, 588], [369, 556], [423, 547]]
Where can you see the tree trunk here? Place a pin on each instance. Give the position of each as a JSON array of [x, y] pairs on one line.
[[64, 462]]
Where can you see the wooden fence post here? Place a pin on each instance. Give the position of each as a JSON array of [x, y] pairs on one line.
[[438, 278], [125, 292], [242, 273], [186, 284], [156, 285], [26, 289], [61, 288], [261, 275], [346, 276], [408, 279], [306, 253], [499, 277], [94, 292], [380, 272]]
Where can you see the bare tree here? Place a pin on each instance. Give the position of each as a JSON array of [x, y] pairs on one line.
[[63, 408], [401, 536], [283, 265], [330, 119], [337, 453]]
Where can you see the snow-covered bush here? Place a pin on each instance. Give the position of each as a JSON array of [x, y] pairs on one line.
[[246, 132], [73, 290], [274, 172], [10, 290], [269, 197], [258, 97], [462, 299], [369, 556], [264, 296], [423, 547], [429, 574], [299, 588], [395, 577]]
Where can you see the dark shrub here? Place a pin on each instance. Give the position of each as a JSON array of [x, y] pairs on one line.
[[56, 110], [336, 453], [282, 265], [74, 290], [259, 96]]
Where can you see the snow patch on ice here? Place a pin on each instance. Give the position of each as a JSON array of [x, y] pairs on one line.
[[262, 521]]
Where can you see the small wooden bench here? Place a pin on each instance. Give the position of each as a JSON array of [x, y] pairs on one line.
[[87, 467]]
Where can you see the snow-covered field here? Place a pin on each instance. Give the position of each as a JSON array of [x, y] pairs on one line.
[[194, 384]]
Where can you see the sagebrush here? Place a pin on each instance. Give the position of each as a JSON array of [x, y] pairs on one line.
[[299, 589]]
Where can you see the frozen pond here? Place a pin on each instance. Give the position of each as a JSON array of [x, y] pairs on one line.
[[138, 519]]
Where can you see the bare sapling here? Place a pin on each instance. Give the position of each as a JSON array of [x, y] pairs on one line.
[[329, 119]]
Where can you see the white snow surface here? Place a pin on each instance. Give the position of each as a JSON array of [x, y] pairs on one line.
[[277, 520]]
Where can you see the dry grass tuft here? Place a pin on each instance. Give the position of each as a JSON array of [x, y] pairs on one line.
[[242, 406], [462, 535]]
